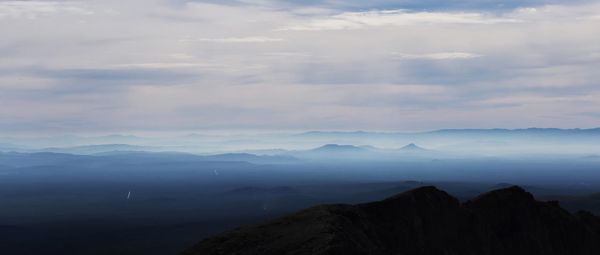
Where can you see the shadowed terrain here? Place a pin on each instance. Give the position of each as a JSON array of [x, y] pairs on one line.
[[421, 221]]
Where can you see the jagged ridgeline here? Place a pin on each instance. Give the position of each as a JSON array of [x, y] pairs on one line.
[[421, 221]]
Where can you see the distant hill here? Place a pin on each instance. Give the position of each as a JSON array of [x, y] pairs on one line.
[[336, 148], [368, 152], [412, 148], [422, 221], [335, 152]]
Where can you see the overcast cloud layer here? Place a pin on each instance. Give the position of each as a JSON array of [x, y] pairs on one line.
[[154, 65]]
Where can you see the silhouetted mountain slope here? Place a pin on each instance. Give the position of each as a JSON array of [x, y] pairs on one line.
[[421, 221]]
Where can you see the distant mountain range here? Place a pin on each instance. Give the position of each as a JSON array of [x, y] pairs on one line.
[[525, 130], [494, 131], [529, 132], [423, 221], [100, 148], [332, 144], [333, 149], [132, 153], [465, 140], [19, 159], [337, 148], [352, 152]]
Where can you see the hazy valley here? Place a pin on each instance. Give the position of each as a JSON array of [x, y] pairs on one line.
[[148, 199]]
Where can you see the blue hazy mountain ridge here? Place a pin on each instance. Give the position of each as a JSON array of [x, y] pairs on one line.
[[534, 134], [345, 152], [547, 131], [329, 151], [465, 130], [73, 140], [543, 132], [337, 148], [123, 152], [100, 148], [477, 141], [252, 158], [532, 130], [399, 163], [413, 148], [262, 152], [445, 143], [465, 140], [19, 159], [335, 152], [499, 136], [180, 156]]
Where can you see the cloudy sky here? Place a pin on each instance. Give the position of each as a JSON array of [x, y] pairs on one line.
[[177, 65]]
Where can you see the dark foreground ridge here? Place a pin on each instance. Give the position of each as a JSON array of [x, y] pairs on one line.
[[421, 221]]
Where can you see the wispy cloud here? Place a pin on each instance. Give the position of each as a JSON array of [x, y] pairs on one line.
[[251, 39], [143, 64], [437, 56], [165, 65], [35, 9], [358, 20]]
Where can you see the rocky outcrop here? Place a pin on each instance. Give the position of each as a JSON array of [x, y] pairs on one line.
[[422, 221]]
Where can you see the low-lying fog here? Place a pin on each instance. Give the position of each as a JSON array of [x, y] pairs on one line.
[[141, 195]]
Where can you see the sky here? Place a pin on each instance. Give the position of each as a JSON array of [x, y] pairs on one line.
[[176, 65]]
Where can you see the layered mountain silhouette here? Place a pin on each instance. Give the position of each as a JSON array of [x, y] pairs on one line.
[[412, 148], [421, 221], [337, 148], [334, 151]]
